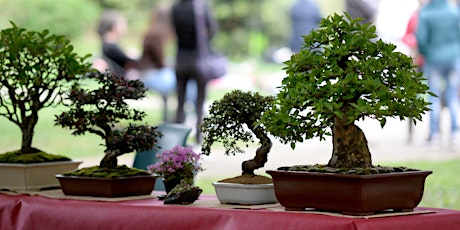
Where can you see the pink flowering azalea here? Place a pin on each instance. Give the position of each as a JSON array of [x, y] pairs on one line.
[[178, 162]]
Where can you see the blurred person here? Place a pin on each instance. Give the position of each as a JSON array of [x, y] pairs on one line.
[[305, 16], [410, 41], [111, 26], [183, 18], [365, 9], [391, 21], [438, 40], [409, 38], [152, 67]]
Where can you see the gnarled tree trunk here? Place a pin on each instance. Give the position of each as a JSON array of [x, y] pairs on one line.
[[261, 157], [350, 149], [110, 159]]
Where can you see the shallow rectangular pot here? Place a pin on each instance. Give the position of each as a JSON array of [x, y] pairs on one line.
[[349, 194], [232, 193], [104, 187], [20, 177]]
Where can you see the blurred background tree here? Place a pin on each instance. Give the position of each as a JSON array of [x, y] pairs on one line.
[[65, 17], [248, 29], [255, 28]]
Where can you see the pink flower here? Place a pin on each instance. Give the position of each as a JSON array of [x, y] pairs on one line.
[[178, 162]]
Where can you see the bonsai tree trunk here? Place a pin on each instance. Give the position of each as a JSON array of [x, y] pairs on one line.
[[27, 130], [111, 153], [350, 148], [110, 159], [260, 159]]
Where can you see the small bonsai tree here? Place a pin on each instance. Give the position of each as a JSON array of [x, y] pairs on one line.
[[344, 74], [36, 69], [235, 118], [98, 111]]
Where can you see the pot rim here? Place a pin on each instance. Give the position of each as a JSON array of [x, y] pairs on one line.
[[344, 175], [58, 176], [25, 165], [236, 185]]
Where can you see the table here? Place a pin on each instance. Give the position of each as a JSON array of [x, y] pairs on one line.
[[38, 212]]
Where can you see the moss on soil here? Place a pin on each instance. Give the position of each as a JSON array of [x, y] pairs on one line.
[[37, 156], [248, 179], [100, 172], [357, 171]]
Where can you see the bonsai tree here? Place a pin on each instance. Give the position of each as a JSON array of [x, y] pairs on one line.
[[344, 74], [100, 109], [36, 69], [235, 118]]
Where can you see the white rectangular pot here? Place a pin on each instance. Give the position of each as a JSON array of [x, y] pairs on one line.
[[232, 193], [19, 177]]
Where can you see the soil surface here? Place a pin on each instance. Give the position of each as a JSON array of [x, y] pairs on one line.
[[248, 179]]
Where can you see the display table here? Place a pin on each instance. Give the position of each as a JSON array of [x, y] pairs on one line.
[[39, 212]]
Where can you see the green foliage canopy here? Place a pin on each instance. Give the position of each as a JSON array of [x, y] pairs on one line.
[[36, 71], [344, 71], [232, 119]]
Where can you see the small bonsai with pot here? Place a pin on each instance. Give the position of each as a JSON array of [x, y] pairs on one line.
[[232, 120], [36, 70], [177, 167], [344, 74], [99, 109]]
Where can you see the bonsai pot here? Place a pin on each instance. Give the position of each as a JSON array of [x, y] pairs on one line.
[[349, 194], [232, 193], [107, 187], [19, 177]]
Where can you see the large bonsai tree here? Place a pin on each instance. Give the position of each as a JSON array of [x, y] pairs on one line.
[[344, 74], [36, 69], [233, 119], [98, 110]]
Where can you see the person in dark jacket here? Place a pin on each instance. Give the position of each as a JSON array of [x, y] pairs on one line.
[[183, 19], [438, 40], [112, 25], [305, 16]]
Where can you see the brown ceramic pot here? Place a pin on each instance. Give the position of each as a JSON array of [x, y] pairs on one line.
[[103, 187], [349, 194]]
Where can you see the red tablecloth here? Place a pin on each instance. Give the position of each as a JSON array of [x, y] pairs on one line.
[[36, 212]]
